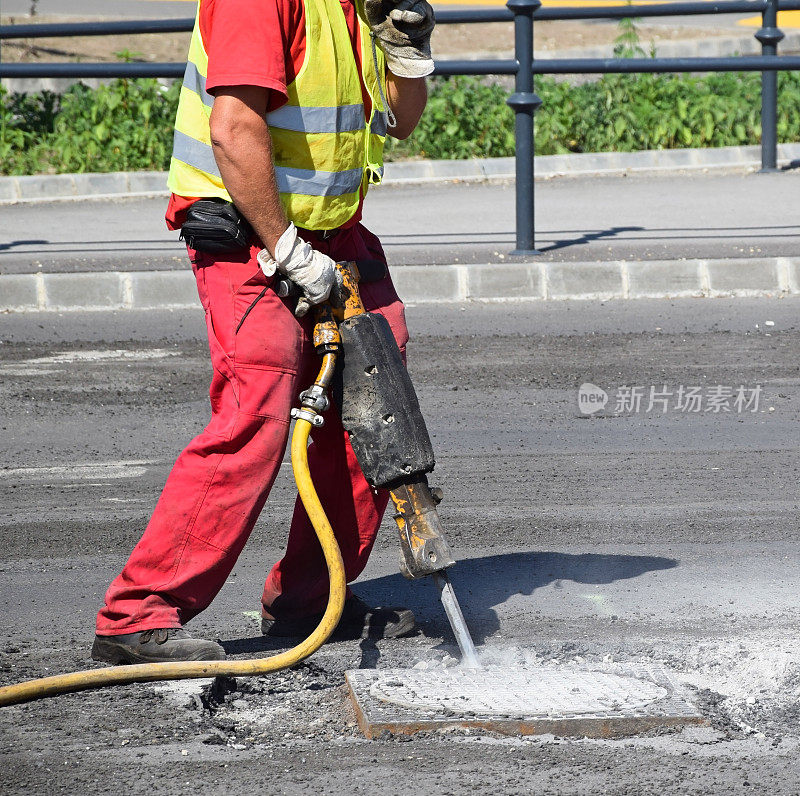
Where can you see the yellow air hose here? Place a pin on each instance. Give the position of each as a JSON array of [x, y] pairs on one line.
[[187, 670]]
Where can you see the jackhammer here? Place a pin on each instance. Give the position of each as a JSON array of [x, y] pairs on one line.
[[382, 417], [362, 365]]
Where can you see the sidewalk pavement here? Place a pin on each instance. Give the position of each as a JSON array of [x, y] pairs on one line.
[[687, 234]]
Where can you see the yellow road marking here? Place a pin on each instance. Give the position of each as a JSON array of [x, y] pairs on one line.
[[786, 19]]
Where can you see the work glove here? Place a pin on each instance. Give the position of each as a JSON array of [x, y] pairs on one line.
[[312, 271], [403, 31]]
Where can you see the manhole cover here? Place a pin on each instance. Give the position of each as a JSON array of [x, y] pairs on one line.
[[496, 691], [604, 701]]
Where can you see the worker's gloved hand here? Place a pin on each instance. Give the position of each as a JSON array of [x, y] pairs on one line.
[[403, 31], [312, 271]]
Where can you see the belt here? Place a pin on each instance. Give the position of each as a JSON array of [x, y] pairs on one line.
[[322, 234]]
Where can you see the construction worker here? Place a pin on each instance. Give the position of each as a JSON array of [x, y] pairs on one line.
[[280, 130]]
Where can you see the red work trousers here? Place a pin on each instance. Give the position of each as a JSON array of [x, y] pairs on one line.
[[220, 482]]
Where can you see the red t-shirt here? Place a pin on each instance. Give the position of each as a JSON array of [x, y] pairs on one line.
[[259, 43]]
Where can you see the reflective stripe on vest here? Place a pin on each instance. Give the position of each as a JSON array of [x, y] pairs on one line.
[[378, 124], [318, 183], [194, 81], [195, 153], [343, 119], [302, 181]]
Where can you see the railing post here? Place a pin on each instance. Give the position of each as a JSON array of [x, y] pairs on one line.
[[524, 103], [769, 35]]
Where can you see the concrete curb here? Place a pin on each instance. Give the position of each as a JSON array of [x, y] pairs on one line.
[[418, 284], [118, 185], [710, 47], [49, 187]]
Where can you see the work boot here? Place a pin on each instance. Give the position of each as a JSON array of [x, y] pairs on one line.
[[359, 620], [155, 646]]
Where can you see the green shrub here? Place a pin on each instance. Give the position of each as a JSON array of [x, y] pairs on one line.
[[620, 113], [631, 112], [123, 126], [127, 125], [465, 118]]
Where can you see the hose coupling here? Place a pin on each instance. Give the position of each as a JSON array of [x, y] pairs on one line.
[[308, 414], [314, 398]]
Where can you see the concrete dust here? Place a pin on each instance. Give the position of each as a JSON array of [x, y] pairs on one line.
[[747, 687], [752, 683]]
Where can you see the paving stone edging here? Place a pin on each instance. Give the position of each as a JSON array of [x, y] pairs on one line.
[[417, 284], [76, 187]]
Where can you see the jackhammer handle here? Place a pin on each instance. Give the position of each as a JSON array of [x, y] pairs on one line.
[[371, 270], [368, 270]]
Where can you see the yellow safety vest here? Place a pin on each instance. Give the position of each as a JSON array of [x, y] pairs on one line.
[[325, 150]]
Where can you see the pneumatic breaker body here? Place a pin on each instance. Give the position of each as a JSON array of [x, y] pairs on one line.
[[381, 413]]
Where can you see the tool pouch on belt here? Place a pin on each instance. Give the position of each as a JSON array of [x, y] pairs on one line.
[[215, 226]]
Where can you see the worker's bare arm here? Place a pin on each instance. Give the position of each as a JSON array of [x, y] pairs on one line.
[[407, 98], [243, 150]]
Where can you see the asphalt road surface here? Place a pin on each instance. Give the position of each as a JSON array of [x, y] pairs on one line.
[[647, 536], [664, 217]]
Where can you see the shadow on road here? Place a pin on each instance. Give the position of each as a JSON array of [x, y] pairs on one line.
[[13, 243], [581, 238], [589, 237], [481, 584]]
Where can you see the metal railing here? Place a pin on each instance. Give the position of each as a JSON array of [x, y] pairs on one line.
[[524, 101]]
